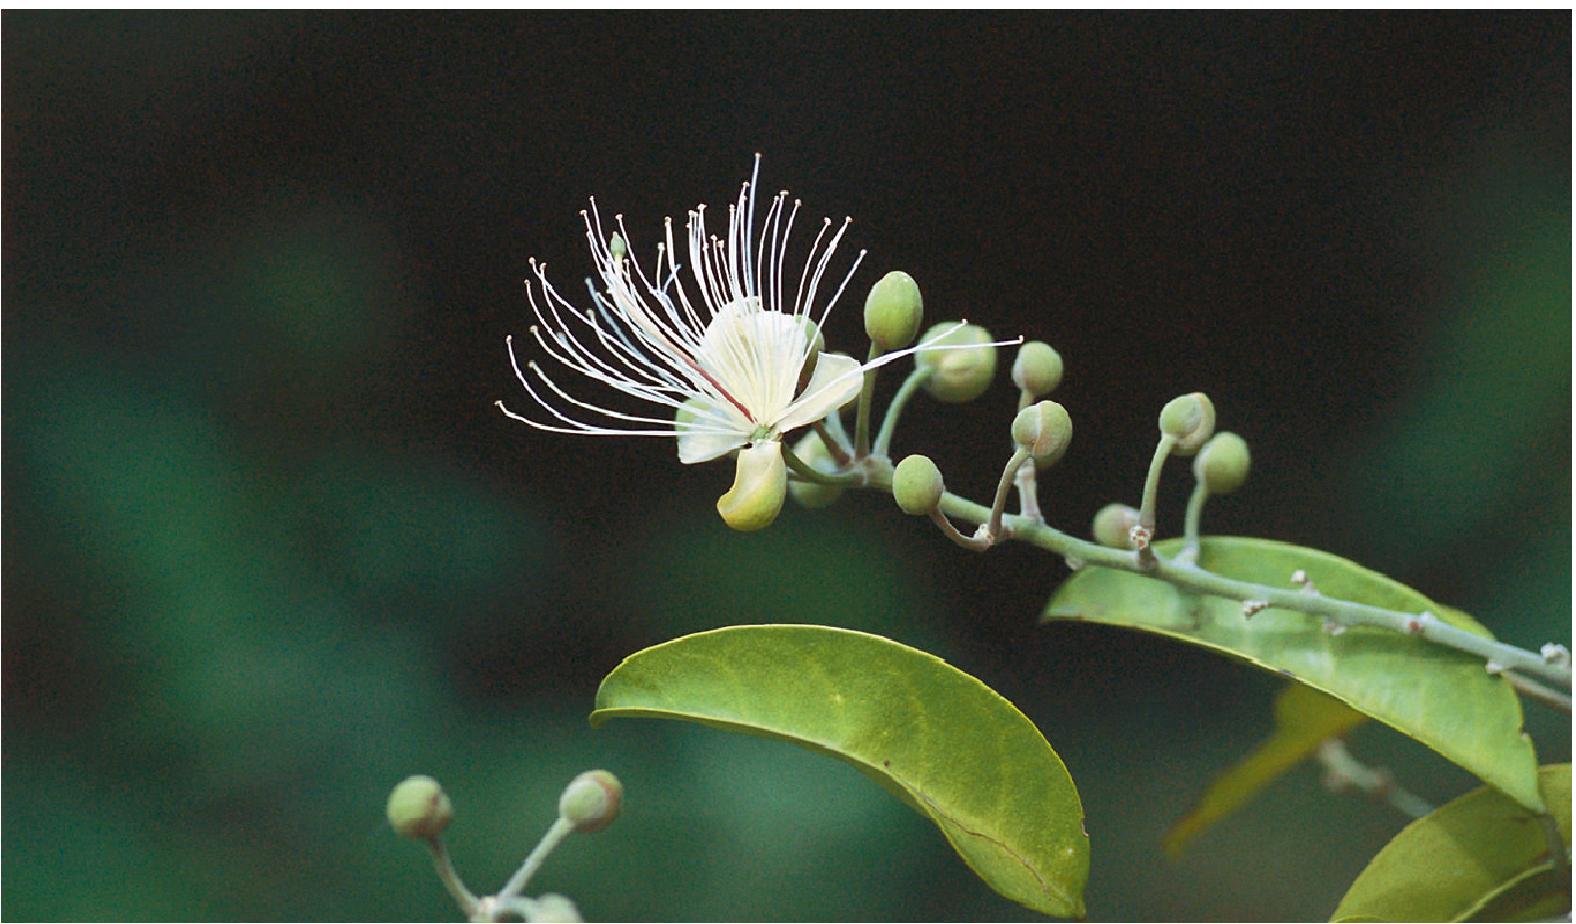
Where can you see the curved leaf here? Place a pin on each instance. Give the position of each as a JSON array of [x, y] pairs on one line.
[[1439, 696], [1304, 717], [1539, 894], [948, 745], [1478, 857]]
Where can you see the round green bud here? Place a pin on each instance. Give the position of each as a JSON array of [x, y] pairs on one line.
[[760, 485], [962, 373], [1222, 465], [809, 493], [1190, 419], [591, 801], [419, 808], [1038, 368], [917, 486], [893, 310], [812, 333], [1113, 526], [1045, 429]]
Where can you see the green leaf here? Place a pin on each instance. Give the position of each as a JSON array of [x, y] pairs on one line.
[[1304, 717], [1442, 697], [1480, 857], [1538, 894], [946, 744]]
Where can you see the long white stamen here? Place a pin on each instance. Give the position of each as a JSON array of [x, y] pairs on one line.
[[730, 351], [826, 257], [804, 274], [749, 214], [896, 355], [564, 332]]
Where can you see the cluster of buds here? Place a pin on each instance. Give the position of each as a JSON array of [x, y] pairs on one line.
[[1221, 462], [419, 809], [1041, 432]]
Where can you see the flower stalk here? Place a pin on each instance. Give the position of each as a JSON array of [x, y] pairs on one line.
[[1191, 577], [450, 878], [894, 411], [866, 398]]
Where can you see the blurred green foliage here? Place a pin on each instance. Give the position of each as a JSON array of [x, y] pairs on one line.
[[268, 549]]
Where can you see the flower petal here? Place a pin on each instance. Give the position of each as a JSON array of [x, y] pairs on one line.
[[760, 482], [706, 431], [703, 447], [754, 356], [835, 382]]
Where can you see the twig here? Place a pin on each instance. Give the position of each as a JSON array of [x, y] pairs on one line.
[[1191, 577]]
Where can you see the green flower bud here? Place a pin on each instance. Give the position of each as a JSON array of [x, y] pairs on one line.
[[917, 486], [617, 248], [809, 493], [419, 808], [1113, 526], [1222, 465], [957, 375], [812, 333], [760, 484], [1045, 429], [1038, 368], [893, 310], [1190, 419], [591, 801]]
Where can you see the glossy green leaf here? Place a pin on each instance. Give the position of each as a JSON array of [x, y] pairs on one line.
[[1439, 696], [1480, 857], [948, 745], [1304, 717]]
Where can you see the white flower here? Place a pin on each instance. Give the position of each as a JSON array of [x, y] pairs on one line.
[[724, 357]]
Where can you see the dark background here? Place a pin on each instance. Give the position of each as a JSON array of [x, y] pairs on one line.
[[268, 547]]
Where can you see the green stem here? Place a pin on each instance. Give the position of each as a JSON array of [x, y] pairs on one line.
[[866, 396], [1146, 509], [972, 543], [555, 835], [1191, 577], [1345, 770], [1534, 690], [834, 446], [1193, 519], [809, 473], [1028, 493], [1028, 490], [1003, 486], [451, 878], [895, 409]]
